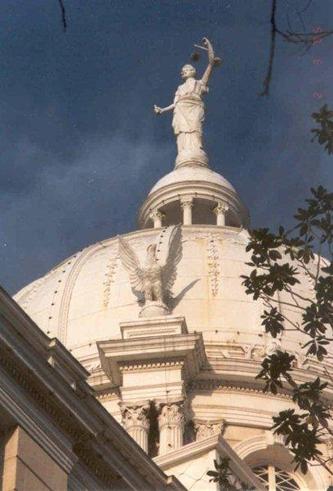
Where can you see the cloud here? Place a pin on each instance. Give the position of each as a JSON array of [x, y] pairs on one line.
[[66, 208]]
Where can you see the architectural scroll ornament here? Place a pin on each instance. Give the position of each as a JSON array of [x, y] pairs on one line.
[[189, 110], [154, 280]]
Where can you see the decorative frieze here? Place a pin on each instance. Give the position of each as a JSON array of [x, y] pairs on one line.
[[218, 384], [143, 365]]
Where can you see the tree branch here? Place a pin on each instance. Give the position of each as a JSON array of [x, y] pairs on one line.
[[63, 14], [268, 78], [307, 39]]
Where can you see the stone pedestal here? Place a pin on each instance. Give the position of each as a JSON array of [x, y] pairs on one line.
[[154, 309], [198, 157], [171, 423], [155, 360], [135, 421]]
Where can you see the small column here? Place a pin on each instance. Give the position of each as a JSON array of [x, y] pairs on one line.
[[220, 211], [157, 216], [136, 423], [186, 203], [171, 423]]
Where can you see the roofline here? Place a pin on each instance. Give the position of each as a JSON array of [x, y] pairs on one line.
[[22, 339]]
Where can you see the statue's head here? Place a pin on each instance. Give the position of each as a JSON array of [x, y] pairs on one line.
[[188, 71]]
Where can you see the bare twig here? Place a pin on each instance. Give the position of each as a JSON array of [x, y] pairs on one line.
[[268, 78], [322, 462], [305, 39], [63, 14]]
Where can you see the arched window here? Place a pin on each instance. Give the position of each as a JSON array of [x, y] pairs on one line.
[[275, 479]]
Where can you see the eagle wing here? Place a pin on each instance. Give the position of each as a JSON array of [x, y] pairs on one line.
[[174, 255], [132, 265]]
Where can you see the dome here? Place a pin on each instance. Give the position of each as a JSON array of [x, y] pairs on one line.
[[86, 297], [191, 173]]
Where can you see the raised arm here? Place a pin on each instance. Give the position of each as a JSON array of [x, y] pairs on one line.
[[212, 61]]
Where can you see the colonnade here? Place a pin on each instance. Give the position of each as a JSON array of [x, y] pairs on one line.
[[186, 204], [171, 423]]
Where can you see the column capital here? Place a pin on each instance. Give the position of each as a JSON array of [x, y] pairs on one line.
[[171, 415], [186, 201], [135, 416], [171, 422], [156, 214], [220, 207], [204, 429]]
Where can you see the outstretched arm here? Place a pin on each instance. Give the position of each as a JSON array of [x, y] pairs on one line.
[[160, 110]]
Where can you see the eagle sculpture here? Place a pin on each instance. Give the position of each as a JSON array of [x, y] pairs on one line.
[[155, 278]]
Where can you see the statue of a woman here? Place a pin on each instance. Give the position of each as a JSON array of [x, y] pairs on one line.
[[189, 111]]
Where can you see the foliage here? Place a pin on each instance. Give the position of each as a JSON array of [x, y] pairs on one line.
[[278, 261], [223, 476], [324, 134]]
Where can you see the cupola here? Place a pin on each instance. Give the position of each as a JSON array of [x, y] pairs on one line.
[[193, 194]]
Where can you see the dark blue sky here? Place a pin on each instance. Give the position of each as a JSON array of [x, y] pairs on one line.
[[80, 143]]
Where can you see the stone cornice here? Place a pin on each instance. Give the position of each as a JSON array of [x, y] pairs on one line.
[[130, 354], [35, 421], [146, 365], [220, 384]]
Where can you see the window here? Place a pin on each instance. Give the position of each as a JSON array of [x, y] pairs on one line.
[[274, 479]]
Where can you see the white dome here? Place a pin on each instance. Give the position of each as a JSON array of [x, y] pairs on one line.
[[84, 299], [192, 173]]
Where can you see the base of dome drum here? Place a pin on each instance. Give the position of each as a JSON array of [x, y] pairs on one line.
[[154, 309]]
